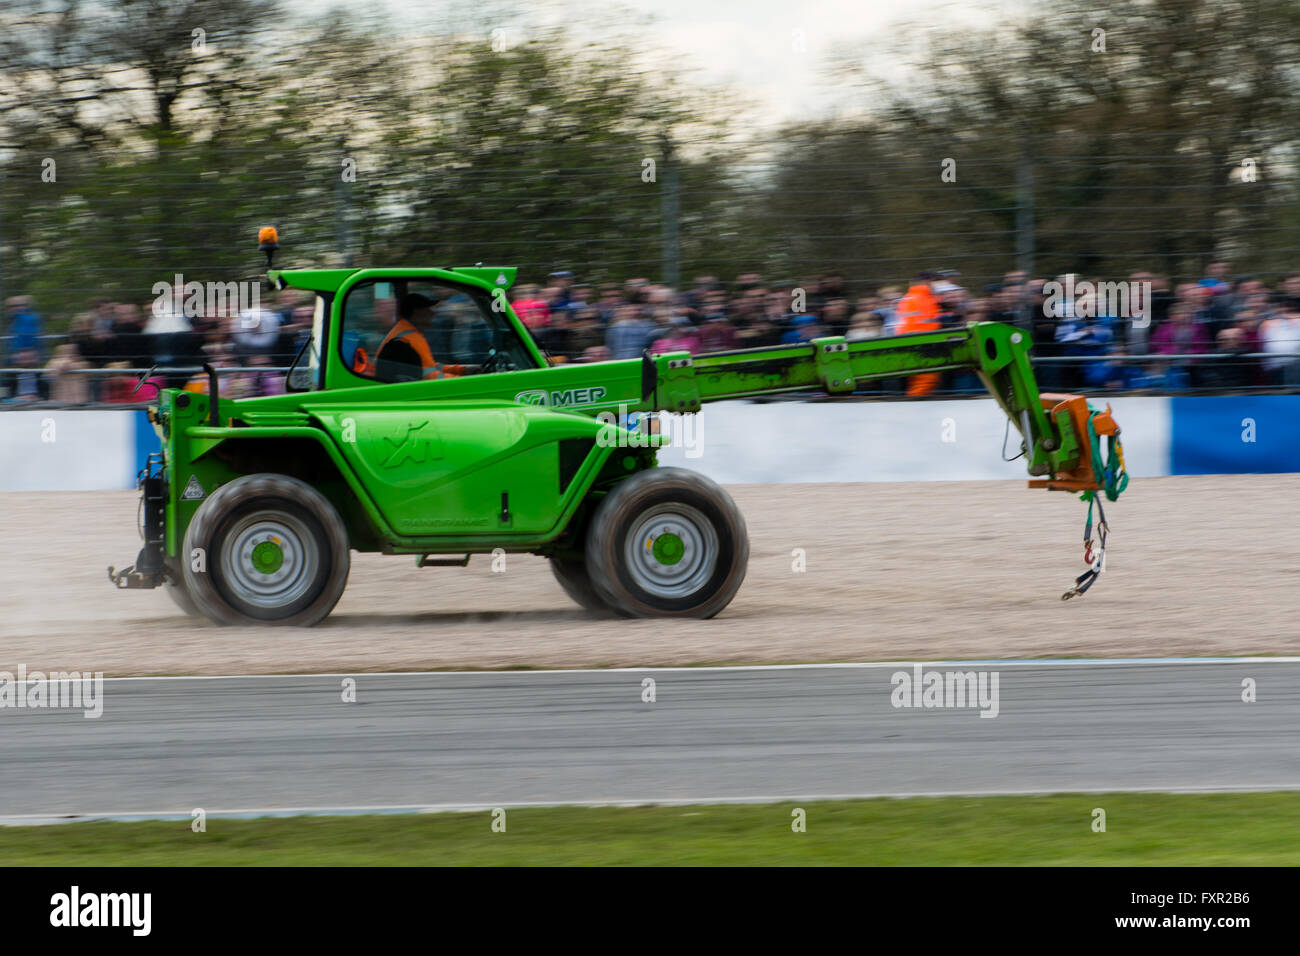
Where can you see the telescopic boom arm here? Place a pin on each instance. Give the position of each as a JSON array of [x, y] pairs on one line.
[[1061, 434], [1056, 446]]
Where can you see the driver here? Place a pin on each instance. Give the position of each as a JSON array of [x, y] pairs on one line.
[[407, 342]]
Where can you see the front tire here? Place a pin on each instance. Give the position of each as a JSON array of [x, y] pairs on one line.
[[667, 542], [275, 552], [572, 575]]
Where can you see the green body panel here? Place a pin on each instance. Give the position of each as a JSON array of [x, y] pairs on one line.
[[442, 468], [422, 467], [383, 502]]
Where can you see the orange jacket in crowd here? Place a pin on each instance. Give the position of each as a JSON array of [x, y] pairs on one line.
[[918, 311]]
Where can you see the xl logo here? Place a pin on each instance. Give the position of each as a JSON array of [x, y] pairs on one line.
[[410, 445], [570, 396]]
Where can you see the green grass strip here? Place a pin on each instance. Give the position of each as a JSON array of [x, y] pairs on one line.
[[1242, 829]]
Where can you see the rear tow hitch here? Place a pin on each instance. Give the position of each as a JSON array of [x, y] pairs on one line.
[[136, 577], [149, 570]]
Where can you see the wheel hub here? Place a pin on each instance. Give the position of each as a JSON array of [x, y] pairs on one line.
[[668, 548], [672, 551], [268, 556], [269, 559]]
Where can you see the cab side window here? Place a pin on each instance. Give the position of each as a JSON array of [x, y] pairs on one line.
[[401, 330]]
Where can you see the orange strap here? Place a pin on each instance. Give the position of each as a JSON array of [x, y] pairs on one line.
[[361, 364]]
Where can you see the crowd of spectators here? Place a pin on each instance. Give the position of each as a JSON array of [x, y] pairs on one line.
[[1217, 332], [124, 336], [1155, 341], [1198, 334]]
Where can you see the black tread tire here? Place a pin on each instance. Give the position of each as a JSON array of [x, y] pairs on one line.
[[573, 577], [613, 521], [267, 492], [174, 585]]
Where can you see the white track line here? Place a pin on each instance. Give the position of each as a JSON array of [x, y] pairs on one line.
[[728, 668], [187, 815]]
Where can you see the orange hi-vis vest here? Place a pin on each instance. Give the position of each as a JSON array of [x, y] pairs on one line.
[[363, 364], [918, 311]]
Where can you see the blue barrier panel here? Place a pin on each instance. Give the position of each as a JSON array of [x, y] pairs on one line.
[[146, 440], [1249, 434]]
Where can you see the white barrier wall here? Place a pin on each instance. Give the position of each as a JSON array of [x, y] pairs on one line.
[[742, 442], [58, 450]]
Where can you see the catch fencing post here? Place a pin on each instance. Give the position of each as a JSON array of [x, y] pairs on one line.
[[668, 212]]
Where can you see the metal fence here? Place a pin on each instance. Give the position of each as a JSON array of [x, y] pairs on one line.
[[1188, 374], [1117, 204], [1161, 202]]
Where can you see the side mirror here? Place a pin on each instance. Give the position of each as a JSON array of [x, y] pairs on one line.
[[299, 379]]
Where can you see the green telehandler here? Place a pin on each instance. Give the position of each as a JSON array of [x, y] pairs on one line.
[[420, 418]]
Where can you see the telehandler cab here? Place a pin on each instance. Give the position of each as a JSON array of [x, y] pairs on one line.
[[475, 443]]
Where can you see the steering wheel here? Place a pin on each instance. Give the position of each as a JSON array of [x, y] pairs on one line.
[[497, 361]]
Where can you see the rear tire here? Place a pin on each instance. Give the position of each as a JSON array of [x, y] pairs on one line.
[[667, 542], [174, 585], [573, 577], [275, 552]]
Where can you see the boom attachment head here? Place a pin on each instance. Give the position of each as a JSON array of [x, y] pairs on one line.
[[1082, 427]]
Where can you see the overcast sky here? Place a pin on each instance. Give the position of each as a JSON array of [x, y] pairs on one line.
[[752, 46]]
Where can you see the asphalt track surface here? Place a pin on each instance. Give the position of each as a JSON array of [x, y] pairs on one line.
[[465, 740]]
